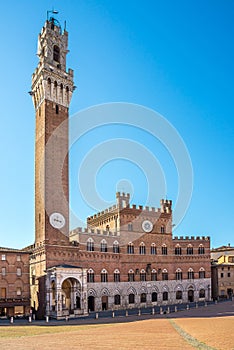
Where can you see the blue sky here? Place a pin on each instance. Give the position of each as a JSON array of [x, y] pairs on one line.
[[175, 57]]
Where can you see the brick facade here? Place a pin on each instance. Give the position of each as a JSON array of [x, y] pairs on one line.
[[127, 256], [14, 282]]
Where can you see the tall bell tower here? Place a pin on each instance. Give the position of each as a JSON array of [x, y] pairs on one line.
[[52, 88]]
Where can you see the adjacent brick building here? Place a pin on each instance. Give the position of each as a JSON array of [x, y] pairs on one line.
[[14, 282]]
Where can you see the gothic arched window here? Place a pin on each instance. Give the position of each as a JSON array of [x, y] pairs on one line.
[[56, 53], [90, 276], [104, 276]]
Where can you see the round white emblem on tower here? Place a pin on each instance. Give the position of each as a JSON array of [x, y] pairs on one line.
[[57, 220], [147, 226]]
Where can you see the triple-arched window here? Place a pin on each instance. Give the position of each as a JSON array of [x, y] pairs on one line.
[[116, 247], [142, 275], [142, 250], [130, 248], [103, 246], [90, 276], [178, 250], [164, 275], [201, 249], [190, 274], [90, 245], [153, 249], [104, 275], [179, 275], [131, 276], [164, 249], [116, 275], [153, 275], [202, 272], [190, 249]]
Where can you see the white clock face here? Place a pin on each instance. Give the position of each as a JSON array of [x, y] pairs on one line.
[[147, 226], [57, 220]]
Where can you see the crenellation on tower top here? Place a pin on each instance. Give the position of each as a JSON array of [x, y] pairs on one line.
[[122, 199], [50, 80], [166, 206]]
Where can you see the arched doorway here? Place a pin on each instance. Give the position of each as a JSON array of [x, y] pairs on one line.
[[53, 300], [91, 303], [71, 294], [104, 302], [131, 298], [190, 295], [66, 294]]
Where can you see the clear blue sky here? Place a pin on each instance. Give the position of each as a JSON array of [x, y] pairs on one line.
[[175, 57]]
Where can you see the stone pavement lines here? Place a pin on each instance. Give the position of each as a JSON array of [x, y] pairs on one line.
[[189, 338]]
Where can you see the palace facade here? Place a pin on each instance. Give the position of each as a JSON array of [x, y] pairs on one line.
[[127, 256]]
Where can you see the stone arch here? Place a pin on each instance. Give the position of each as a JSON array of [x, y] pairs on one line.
[[165, 288], [131, 290], [105, 291], [190, 292], [191, 286], [117, 291], [200, 286], [179, 287], [143, 290], [71, 278], [92, 292], [70, 287], [155, 289]]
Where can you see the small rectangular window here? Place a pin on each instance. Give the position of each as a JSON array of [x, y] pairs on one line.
[[229, 274], [18, 258], [57, 109], [3, 256], [18, 291], [19, 272], [221, 275], [3, 271]]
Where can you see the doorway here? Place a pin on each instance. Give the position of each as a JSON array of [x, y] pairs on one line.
[[91, 303], [104, 302], [190, 295]]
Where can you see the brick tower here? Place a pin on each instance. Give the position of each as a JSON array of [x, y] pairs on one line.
[[52, 88]]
